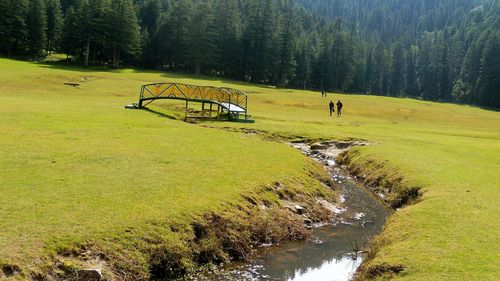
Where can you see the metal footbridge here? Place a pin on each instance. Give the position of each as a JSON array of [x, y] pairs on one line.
[[230, 102]]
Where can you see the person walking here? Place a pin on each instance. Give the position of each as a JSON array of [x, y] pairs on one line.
[[339, 108], [332, 108]]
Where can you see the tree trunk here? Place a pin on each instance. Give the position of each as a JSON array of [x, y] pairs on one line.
[[118, 58], [114, 57], [93, 55], [87, 53], [49, 47]]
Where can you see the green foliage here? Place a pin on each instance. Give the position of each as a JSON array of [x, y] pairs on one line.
[[393, 47], [13, 28], [71, 41], [228, 34], [36, 24], [54, 25], [489, 80], [448, 50], [123, 29]]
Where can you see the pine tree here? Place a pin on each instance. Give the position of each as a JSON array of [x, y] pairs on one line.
[[370, 72], [337, 51], [489, 81], [347, 60], [471, 70], [227, 22], [287, 41], [260, 33], [359, 84], [175, 34], [54, 25], [71, 38], [323, 65], [397, 71], [411, 88], [380, 83], [13, 29], [93, 25], [426, 75], [123, 30], [149, 15], [201, 45], [304, 61], [37, 25]]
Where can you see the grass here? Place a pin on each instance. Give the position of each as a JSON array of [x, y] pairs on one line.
[[78, 167]]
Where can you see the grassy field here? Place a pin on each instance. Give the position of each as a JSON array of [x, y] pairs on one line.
[[75, 166]]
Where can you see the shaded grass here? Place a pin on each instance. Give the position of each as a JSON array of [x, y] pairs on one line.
[[114, 169]]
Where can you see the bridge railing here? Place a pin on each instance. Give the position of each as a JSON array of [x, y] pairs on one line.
[[155, 91], [238, 97]]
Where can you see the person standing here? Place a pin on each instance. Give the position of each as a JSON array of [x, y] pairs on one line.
[[332, 108], [339, 108]]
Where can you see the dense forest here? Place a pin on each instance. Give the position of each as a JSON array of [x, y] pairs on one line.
[[443, 50]]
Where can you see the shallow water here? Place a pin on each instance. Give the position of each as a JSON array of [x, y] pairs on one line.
[[330, 254]]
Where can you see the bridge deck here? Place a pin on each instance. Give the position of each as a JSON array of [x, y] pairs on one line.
[[232, 107]]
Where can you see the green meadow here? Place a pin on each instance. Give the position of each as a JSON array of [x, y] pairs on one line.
[[76, 167]]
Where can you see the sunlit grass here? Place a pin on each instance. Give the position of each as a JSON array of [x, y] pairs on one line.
[[75, 165]]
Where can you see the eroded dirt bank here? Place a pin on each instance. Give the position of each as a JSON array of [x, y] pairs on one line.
[[335, 248], [379, 178], [389, 188]]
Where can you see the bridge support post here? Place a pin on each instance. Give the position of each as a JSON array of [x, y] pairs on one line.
[[186, 112]]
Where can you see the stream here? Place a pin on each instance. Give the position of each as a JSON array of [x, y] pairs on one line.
[[334, 251]]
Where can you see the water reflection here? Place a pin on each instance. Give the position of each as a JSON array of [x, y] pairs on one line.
[[335, 270]]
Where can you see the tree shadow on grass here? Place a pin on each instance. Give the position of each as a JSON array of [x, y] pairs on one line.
[[66, 66], [74, 67], [160, 114]]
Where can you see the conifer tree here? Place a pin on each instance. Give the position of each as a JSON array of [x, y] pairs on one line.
[[397, 71], [175, 34], [471, 69], [490, 71], [71, 38], [123, 30], [227, 24], [149, 15], [411, 88], [287, 41], [93, 24], [202, 45], [13, 29], [54, 25], [37, 25]]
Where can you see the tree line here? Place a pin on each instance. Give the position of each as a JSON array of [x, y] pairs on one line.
[[443, 50], [437, 50]]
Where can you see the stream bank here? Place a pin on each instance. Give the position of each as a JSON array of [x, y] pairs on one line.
[[335, 250]]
